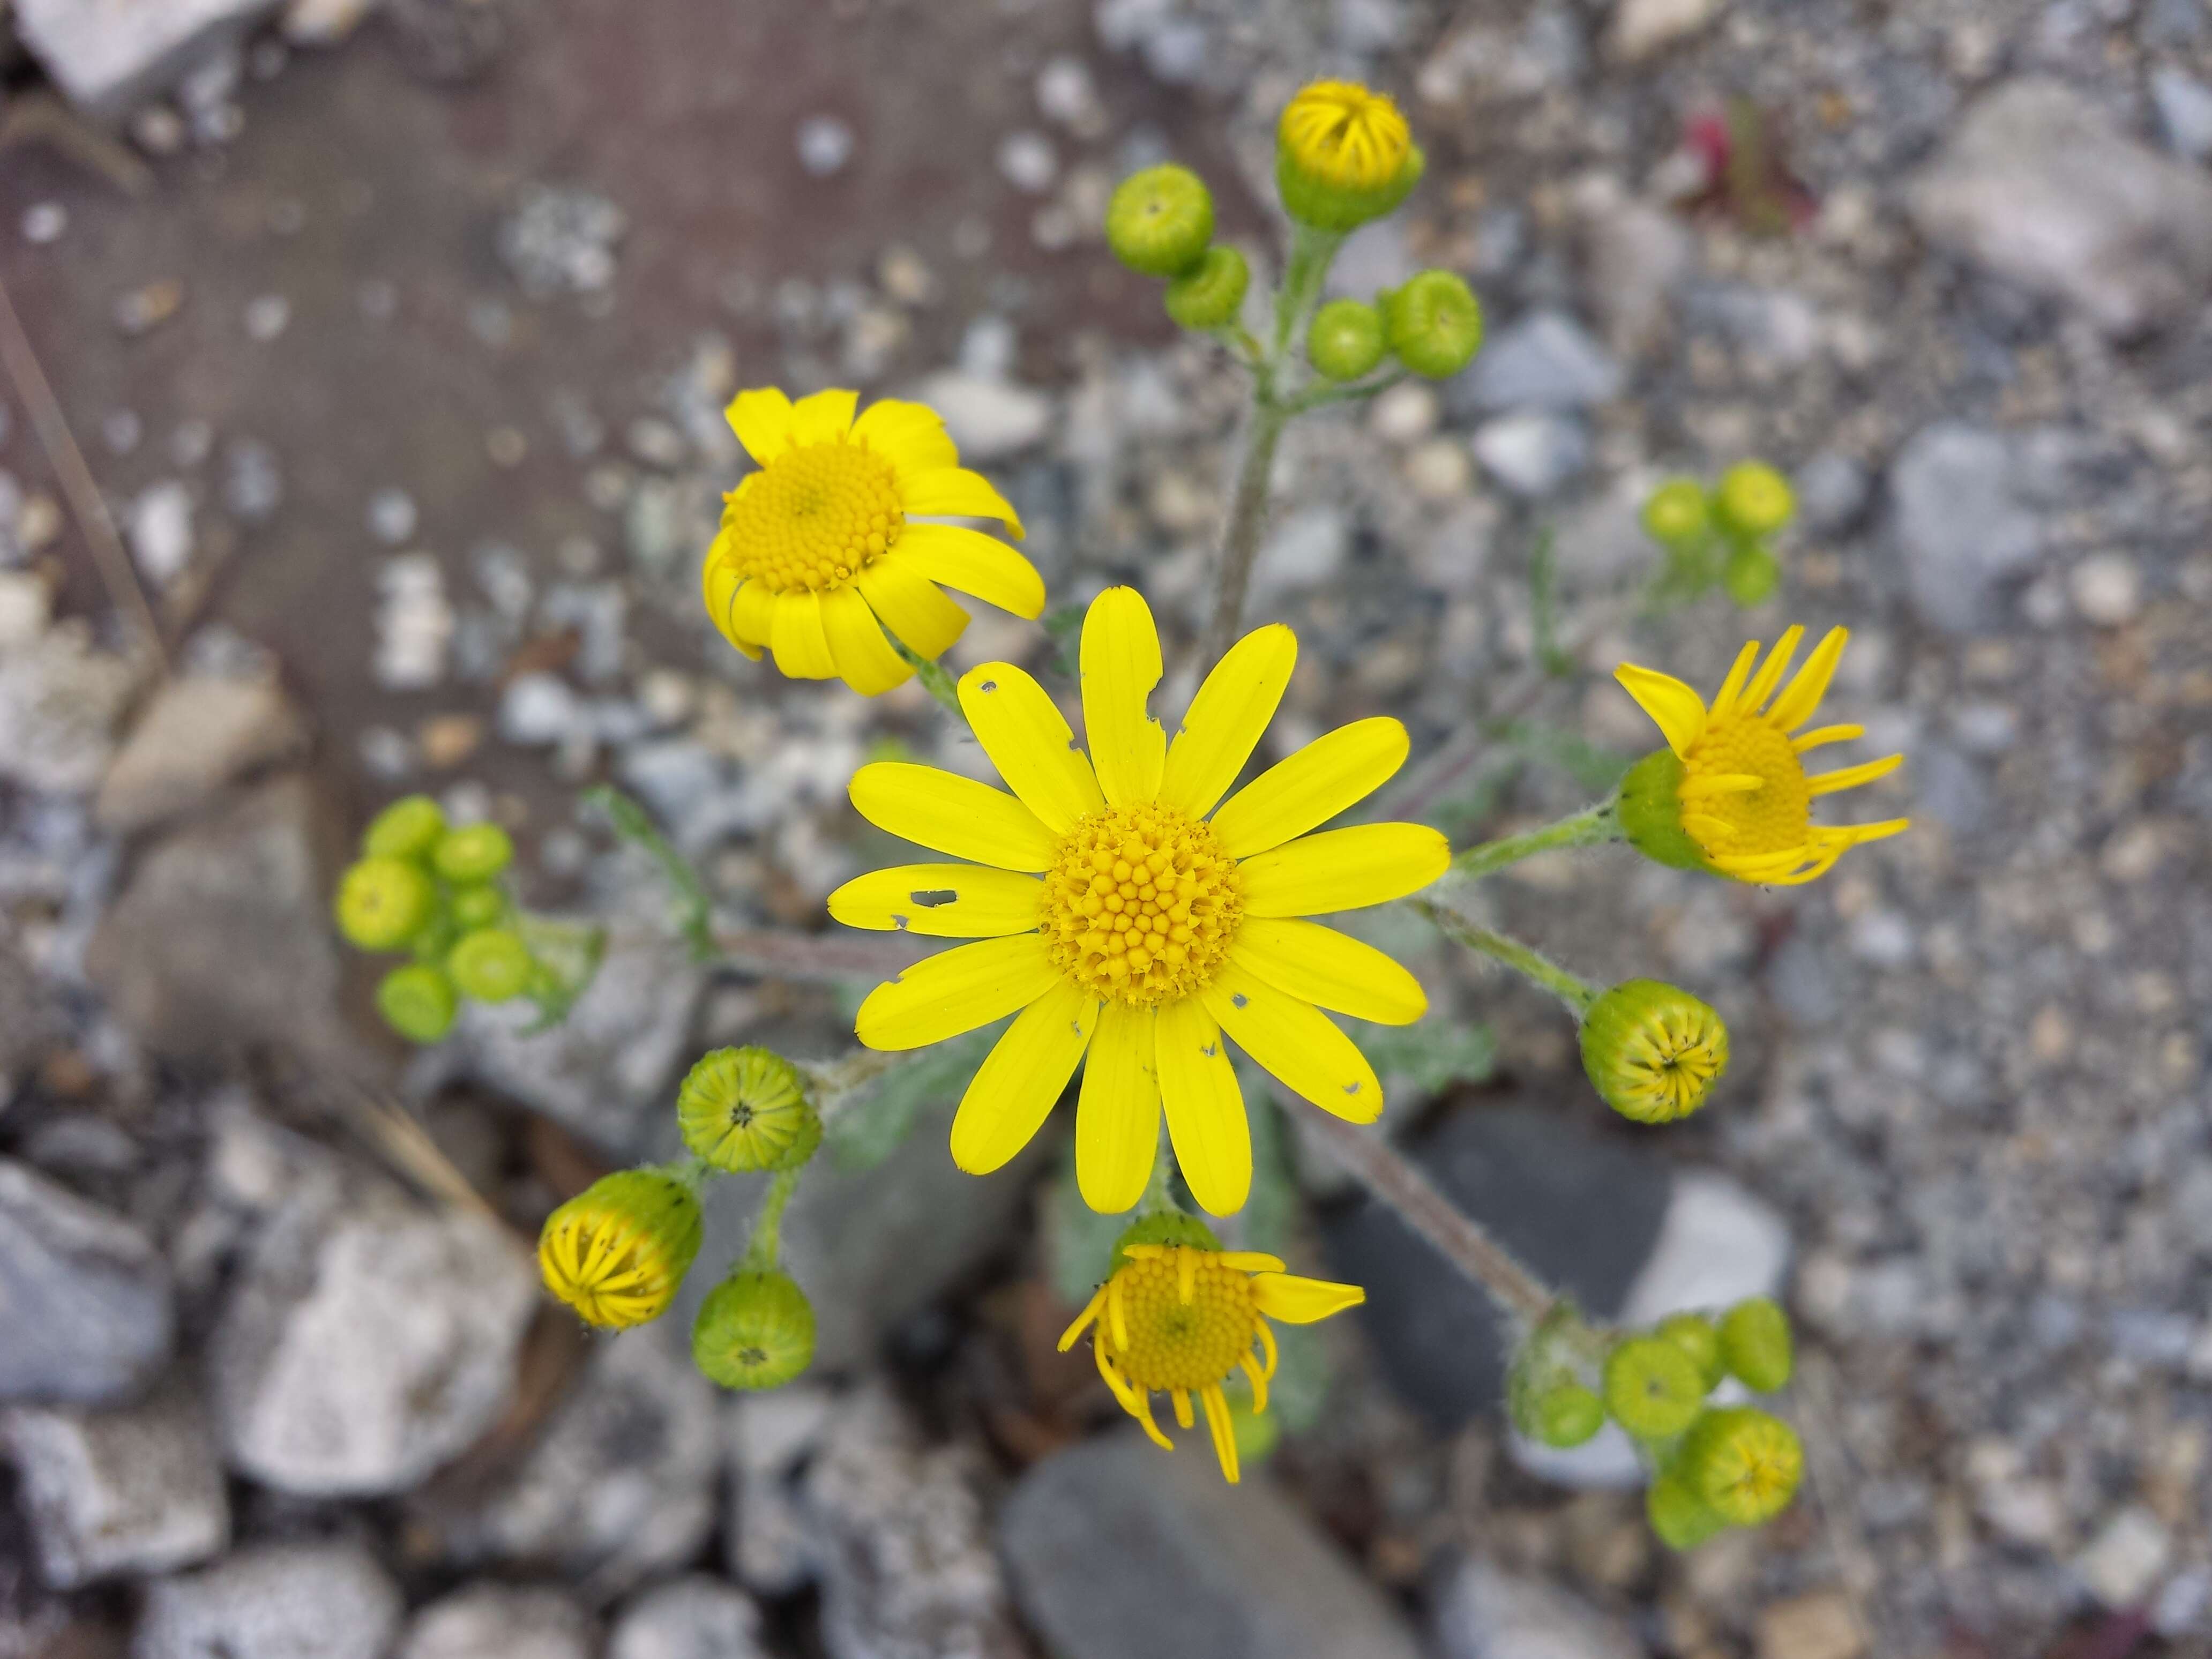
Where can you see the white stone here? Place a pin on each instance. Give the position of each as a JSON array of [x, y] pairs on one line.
[[1406, 413], [508, 1622], [989, 419], [1028, 162], [1306, 550], [161, 530], [278, 1601], [695, 1617], [769, 1437], [1532, 452], [2125, 1558], [1486, 1613], [825, 144], [108, 55], [323, 22], [197, 733], [2108, 589], [1641, 28]]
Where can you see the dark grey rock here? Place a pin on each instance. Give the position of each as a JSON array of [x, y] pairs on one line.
[[511, 1621], [1118, 1550], [696, 1617], [133, 1490], [84, 1299], [1961, 524], [1488, 1613], [1583, 1211], [1545, 359], [278, 1601]]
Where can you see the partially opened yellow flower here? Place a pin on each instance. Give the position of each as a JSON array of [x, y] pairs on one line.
[[1123, 914], [818, 552], [1730, 781], [1182, 1318]]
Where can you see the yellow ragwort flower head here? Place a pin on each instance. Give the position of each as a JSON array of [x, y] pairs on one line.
[[1345, 133], [1119, 911], [617, 1252], [1745, 1463], [1742, 799], [1652, 1050], [1182, 1318], [820, 551]]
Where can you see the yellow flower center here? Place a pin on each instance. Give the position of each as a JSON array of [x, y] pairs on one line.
[[1669, 1067], [607, 1267], [1140, 904], [1341, 131], [1772, 818], [815, 517], [1187, 1320]]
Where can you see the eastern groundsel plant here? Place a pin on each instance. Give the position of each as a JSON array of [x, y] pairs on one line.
[[1135, 905]]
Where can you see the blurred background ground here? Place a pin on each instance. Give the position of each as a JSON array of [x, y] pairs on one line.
[[396, 340]]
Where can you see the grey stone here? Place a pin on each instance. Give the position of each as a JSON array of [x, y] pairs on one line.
[[907, 1566], [1118, 1550], [222, 940], [2035, 185], [196, 734], [108, 57], [159, 527], [134, 1490], [1635, 257], [769, 1438], [562, 240], [696, 1617], [59, 702], [621, 1486], [500, 1621], [1960, 523], [369, 1339], [84, 1299], [540, 708], [278, 1601], [1306, 550], [2184, 104], [1545, 359], [989, 419], [1584, 1213], [1832, 491], [1533, 454], [1488, 1613]]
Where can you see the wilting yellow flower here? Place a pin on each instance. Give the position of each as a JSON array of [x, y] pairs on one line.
[[1744, 799], [1182, 1319], [1341, 131], [617, 1252], [818, 551], [1154, 927]]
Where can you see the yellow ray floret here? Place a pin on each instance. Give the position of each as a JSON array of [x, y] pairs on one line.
[[1181, 1319], [1746, 800], [1128, 907], [824, 549]]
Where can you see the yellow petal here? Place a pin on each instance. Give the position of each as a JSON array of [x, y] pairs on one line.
[[864, 657], [1224, 1430], [948, 813], [1227, 718], [762, 420], [802, 646], [1311, 787], [1119, 666], [721, 581], [1804, 694], [1028, 740], [1297, 1044], [1777, 663], [955, 492], [1827, 783], [972, 562], [910, 436], [940, 901], [752, 615], [1677, 710], [1024, 1074], [1343, 869], [956, 991], [1297, 1301], [1144, 1416], [823, 418], [911, 605], [1825, 734], [1205, 1110], [1739, 672], [1117, 1115], [1320, 965]]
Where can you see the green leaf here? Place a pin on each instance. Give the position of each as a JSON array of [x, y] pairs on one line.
[[864, 1128]]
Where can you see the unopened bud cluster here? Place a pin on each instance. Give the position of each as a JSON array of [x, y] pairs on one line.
[[1159, 222], [1723, 534]]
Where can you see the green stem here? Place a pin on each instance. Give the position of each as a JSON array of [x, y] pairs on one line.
[[631, 822], [1312, 250], [762, 1253], [830, 1081], [1592, 827], [1317, 397], [1159, 1191], [1248, 513], [935, 678], [1576, 993]]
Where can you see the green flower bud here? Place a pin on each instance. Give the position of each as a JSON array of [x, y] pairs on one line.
[[476, 851], [746, 1108], [1652, 1050], [480, 904], [1160, 220], [1752, 574], [1755, 1343], [755, 1330], [1649, 808], [1693, 1333], [1211, 292], [1678, 1515], [407, 828], [1345, 339], [1754, 499], [1166, 1227], [1566, 1416], [1653, 1388], [383, 902], [617, 1252], [1435, 324], [1678, 513], [417, 1001], [1344, 156], [491, 964], [1745, 1463]]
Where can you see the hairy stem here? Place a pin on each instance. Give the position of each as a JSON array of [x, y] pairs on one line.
[[1575, 992], [831, 1080], [1159, 1190], [1312, 250], [935, 678], [1598, 825], [1247, 514], [761, 1253]]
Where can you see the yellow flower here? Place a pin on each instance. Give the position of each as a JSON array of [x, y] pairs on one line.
[[1744, 797], [1341, 131], [1183, 1319], [1121, 913], [818, 552], [617, 1252]]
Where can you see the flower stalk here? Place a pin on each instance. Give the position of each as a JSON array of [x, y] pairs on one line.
[[1533, 965], [1591, 827]]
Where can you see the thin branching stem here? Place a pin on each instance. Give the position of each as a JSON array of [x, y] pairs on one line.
[[1589, 828], [1532, 964], [765, 1247], [1247, 514]]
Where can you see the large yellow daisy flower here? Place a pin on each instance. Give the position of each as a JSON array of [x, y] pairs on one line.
[[820, 546], [1123, 914], [1745, 799]]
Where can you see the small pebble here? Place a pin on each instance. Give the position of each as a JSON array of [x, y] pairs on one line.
[[2108, 589], [191, 443], [391, 516], [825, 144], [506, 446], [446, 740], [158, 130], [150, 307], [267, 317], [44, 223], [1441, 469], [1028, 162], [120, 430], [1405, 414]]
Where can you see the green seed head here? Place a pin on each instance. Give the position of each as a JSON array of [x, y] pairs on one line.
[[1745, 1463], [1211, 292], [383, 902], [417, 1001], [1652, 1050], [1693, 1333], [480, 904], [1435, 324], [755, 1330], [1677, 514], [1755, 1343], [1159, 221], [1345, 339], [407, 828], [476, 851], [1566, 1416], [1754, 499], [491, 964], [746, 1108], [1752, 574], [1653, 1388]]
